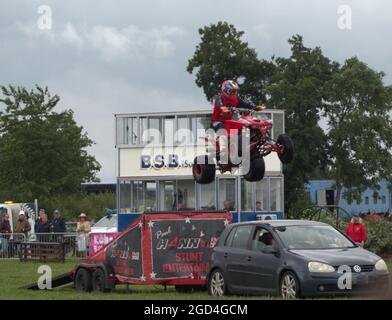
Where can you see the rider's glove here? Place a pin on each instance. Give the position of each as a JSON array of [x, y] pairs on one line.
[[260, 107], [224, 109]]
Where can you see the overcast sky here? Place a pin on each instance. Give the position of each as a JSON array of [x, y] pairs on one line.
[[106, 57]]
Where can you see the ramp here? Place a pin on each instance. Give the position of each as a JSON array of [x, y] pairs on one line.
[[56, 282]]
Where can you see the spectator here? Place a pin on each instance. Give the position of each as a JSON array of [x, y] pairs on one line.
[[83, 228], [22, 225], [58, 224], [258, 206], [42, 227], [228, 205], [5, 231], [5, 226], [356, 231]]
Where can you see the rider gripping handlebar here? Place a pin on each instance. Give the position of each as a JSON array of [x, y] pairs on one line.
[[225, 102]]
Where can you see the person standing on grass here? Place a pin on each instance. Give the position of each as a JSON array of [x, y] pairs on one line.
[[5, 231], [43, 227], [83, 228], [57, 224], [356, 231], [22, 225]]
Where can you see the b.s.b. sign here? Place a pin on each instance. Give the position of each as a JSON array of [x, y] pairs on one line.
[[159, 162]]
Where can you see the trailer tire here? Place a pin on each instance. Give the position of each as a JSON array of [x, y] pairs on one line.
[[83, 280], [99, 281], [184, 289]]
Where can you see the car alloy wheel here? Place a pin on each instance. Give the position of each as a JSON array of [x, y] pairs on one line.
[[289, 286], [217, 284]]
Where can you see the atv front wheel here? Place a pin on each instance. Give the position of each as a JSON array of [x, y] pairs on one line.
[[285, 142], [203, 170], [256, 170]]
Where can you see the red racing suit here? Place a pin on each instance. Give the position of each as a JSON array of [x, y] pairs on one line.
[[228, 101]]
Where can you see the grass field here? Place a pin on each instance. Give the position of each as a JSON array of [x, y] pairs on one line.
[[14, 274]]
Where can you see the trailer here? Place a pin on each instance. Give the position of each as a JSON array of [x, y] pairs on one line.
[[169, 249]]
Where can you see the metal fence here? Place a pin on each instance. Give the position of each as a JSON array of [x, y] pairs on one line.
[[75, 244]]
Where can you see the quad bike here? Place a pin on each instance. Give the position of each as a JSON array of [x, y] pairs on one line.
[[260, 145]]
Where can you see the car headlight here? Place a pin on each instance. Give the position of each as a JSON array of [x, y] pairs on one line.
[[381, 265], [320, 267]]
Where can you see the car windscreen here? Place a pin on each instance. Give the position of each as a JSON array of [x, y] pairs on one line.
[[312, 237], [107, 222]]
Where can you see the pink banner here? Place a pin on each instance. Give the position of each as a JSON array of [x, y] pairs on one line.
[[98, 240]]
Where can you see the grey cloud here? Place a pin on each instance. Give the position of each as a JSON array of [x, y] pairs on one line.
[[105, 57]]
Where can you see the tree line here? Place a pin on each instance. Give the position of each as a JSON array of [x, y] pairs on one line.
[[338, 115]]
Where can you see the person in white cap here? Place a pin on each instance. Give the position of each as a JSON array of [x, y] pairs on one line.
[[22, 225]]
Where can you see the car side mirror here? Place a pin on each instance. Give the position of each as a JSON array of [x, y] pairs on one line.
[[269, 250]]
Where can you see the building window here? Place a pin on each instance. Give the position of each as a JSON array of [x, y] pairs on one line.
[[169, 131], [227, 194], [199, 126], [276, 194], [167, 195], [177, 195], [137, 196], [207, 196], [125, 196], [121, 130], [183, 133], [186, 195], [366, 200], [246, 195], [135, 131], [384, 200], [262, 195], [154, 130], [144, 130]]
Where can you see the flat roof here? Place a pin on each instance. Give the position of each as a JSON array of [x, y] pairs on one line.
[[183, 112]]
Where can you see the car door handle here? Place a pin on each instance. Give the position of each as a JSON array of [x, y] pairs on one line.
[[249, 258], [225, 255]]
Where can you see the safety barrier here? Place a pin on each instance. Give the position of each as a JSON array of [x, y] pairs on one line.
[[75, 244], [10, 244]]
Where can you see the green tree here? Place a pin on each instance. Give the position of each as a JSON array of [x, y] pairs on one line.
[[220, 55], [357, 110], [42, 152], [298, 88]]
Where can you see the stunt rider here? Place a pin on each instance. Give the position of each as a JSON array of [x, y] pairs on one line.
[[225, 100]]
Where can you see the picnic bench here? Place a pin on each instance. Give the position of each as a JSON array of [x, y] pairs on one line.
[[42, 251]]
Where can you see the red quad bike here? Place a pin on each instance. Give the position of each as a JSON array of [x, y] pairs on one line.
[[260, 145]]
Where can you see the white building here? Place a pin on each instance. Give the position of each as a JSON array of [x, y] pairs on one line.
[[154, 169]]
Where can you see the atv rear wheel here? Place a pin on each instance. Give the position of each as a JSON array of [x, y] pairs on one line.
[[203, 170], [256, 170], [288, 148]]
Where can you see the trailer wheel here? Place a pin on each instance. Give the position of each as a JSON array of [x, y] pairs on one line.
[[99, 281], [184, 289], [83, 280]]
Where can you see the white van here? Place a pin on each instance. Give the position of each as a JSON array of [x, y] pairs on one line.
[[13, 210]]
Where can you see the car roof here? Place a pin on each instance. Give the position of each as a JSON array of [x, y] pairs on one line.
[[282, 223]]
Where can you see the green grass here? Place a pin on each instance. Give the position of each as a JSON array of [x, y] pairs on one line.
[[15, 274]]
